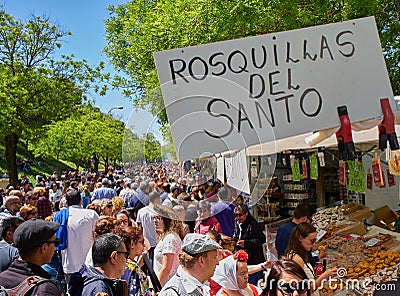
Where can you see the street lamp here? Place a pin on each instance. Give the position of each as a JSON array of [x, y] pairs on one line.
[[116, 107]]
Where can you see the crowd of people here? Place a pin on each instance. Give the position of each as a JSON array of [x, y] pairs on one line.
[[152, 229]]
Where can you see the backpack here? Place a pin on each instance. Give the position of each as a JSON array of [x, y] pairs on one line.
[[61, 217], [76, 284], [24, 287]]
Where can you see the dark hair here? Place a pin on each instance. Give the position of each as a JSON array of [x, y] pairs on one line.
[[303, 209], [275, 274], [242, 208], [9, 224], [215, 234], [103, 247], [73, 197], [301, 230]]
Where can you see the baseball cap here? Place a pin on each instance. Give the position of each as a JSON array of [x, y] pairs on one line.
[[195, 243], [34, 233]]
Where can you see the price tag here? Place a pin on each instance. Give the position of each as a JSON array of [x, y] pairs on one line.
[[372, 242], [320, 234]]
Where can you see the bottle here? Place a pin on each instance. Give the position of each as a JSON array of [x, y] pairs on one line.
[[319, 269], [254, 169]]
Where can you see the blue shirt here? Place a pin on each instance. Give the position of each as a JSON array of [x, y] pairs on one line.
[[282, 237], [282, 241], [224, 212], [103, 192]]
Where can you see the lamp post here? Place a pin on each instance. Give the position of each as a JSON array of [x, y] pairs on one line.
[[114, 108]]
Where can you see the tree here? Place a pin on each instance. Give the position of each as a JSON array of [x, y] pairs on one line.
[[138, 28], [152, 148], [132, 147], [36, 90], [144, 148], [85, 134]]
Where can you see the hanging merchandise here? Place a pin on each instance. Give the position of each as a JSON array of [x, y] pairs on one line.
[[313, 167], [391, 179], [387, 133], [394, 163], [304, 169], [296, 171], [254, 169], [342, 173], [369, 180], [356, 176], [344, 136], [292, 158], [377, 171], [321, 158]]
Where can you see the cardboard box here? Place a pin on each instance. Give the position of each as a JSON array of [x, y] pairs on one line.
[[360, 215], [351, 207], [385, 217], [357, 228]]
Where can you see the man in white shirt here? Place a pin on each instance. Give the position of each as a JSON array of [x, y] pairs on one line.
[[198, 260], [81, 226], [145, 218]]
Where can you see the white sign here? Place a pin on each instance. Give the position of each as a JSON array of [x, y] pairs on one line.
[[320, 234], [233, 94], [221, 168], [372, 242], [236, 171]]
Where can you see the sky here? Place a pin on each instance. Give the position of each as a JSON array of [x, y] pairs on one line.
[[85, 20]]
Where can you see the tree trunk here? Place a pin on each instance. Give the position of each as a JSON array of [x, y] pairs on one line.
[[397, 3], [106, 164], [11, 157], [96, 164]]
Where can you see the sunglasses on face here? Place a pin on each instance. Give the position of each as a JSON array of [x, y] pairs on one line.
[[34, 198], [290, 288], [56, 242], [123, 252]]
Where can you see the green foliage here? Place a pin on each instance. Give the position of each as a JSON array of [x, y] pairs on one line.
[[36, 90], [145, 148], [138, 28], [86, 133]]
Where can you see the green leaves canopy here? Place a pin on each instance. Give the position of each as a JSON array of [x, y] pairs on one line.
[[86, 133]]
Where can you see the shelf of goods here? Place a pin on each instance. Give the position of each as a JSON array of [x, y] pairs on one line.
[[269, 203], [370, 256], [296, 192]]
